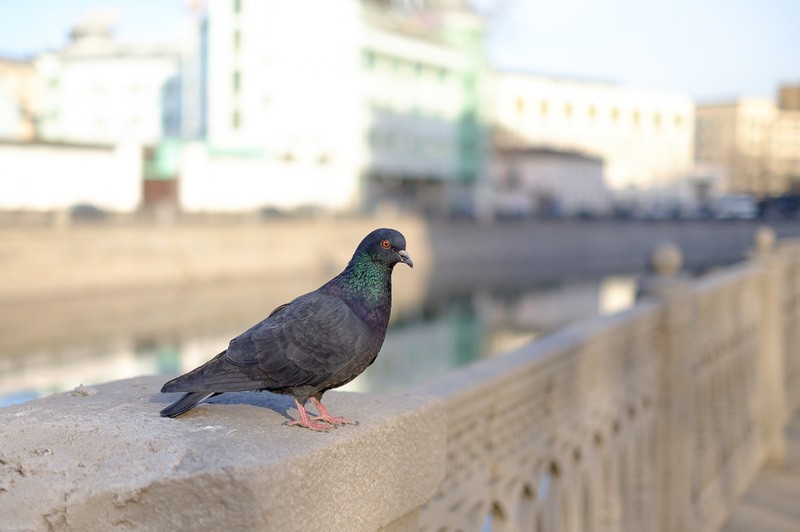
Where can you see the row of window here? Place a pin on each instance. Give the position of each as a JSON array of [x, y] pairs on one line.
[[569, 111], [395, 141], [290, 157], [372, 60], [376, 61]]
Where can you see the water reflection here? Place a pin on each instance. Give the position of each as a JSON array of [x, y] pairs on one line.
[[55, 346]]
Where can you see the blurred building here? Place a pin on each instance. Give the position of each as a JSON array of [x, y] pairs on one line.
[[645, 137], [343, 105], [755, 142], [101, 91], [547, 182], [789, 97], [73, 122], [17, 99], [57, 176]]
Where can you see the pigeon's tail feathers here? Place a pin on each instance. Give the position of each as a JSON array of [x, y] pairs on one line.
[[185, 403], [219, 375]]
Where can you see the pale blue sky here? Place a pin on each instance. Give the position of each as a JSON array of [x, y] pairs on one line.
[[712, 49], [709, 48]]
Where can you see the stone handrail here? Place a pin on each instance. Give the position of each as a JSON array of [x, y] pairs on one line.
[[656, 418], [100, 459]]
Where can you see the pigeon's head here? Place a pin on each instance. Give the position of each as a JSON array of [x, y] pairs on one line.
[[386, 246]]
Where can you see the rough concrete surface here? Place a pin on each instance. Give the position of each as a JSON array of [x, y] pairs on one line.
[[102, 458]]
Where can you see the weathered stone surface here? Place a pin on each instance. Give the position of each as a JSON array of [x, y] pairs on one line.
[[95, 460]]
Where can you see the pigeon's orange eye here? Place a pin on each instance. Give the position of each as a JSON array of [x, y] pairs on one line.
[[386, 244]]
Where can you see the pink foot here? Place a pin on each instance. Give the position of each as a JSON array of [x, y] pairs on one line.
[[325, 416], [304, 421]]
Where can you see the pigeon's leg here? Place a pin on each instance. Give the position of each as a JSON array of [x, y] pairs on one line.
[[325, 416], [304, 420]]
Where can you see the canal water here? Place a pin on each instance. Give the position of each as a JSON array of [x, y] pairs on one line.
[[54, 346]]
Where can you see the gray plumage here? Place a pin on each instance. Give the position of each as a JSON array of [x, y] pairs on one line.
[[320, 340]]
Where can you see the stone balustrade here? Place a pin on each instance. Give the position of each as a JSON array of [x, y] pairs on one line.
[[656, 418]]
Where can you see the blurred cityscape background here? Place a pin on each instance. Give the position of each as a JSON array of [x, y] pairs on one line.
[[363, 105], [445, 110]]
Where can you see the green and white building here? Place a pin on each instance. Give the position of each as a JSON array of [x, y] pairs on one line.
[[340, 104]]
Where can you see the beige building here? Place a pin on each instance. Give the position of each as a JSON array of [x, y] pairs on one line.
[[754, 142], [645, 137]]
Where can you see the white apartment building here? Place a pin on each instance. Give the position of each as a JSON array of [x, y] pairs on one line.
[[753, 142], [100, 91], [337, 104], [645, 137]]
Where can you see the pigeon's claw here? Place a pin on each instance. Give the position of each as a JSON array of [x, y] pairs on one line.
[[308, 423], [335, 420], [325, 416]]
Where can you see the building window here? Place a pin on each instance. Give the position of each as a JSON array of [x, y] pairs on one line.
[[373, 138], [636, 116], [678, 120], [236, 120], [568, 110], [614, 114], [237, 80], [237, 6], [543, 108], [657, 120], [369, 59], [592, 112], [520, 105]]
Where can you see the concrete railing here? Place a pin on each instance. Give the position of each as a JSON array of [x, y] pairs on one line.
[[656, 418], [100, 459]]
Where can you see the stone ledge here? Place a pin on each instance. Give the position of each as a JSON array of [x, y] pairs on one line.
[[102, 457]]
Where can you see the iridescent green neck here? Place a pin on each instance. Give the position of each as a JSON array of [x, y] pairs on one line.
[[366, 286], [367, 278]]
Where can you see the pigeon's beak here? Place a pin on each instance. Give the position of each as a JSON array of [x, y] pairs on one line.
[[405, 259]]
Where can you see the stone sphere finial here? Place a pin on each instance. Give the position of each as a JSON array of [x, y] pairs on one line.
[[764, 239], [666, 260]]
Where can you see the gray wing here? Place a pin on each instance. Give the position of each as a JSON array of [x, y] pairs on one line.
[[303, 343]]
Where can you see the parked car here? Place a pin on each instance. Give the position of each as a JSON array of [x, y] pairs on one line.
[[736, 207], [786, 206], [86, 211]]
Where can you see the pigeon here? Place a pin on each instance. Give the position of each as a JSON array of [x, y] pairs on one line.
[[318, 341]]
